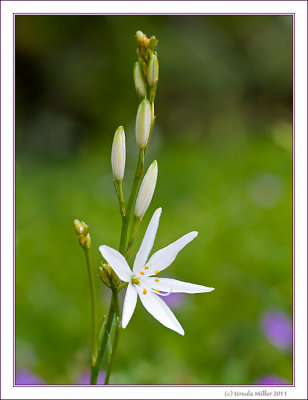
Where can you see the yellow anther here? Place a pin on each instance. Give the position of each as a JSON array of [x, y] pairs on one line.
[[141, 272], [156, 290], [156, 280], [156, 272], [144, 291], [146, 267]]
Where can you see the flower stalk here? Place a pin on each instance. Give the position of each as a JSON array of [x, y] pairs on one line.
[[145, 75], [82, 230]]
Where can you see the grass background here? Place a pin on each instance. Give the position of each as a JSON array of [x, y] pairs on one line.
[[223, 142]]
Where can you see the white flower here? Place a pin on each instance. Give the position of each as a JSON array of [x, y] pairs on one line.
[[118, 153], [143, 279], [146, 190]]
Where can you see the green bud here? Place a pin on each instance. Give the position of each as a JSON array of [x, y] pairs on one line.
[[152, 43], [85, 228], [146, 190], [152, 74], [108, 276], [140, 84], [118, 154], [105, 274], [139, 36], [82, 230], [143, 123], [88, 241], [78, 226]]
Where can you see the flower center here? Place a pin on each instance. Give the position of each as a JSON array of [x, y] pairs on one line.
[[135, 280]]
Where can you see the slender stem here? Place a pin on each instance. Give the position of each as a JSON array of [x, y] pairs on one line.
[[93, 305], [122, 286], [132, 235], [102, 345], [131, 202], [119, 191], [116, 335]]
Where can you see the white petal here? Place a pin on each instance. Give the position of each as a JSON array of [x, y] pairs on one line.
[[129, 305], [175, 286], [117, 262], [159, 309], [164, 257], [147, 242]]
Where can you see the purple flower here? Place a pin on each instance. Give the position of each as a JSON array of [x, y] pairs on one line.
[[271, 380], [174, 300], [24, 377], [277, 326], [85, 379]]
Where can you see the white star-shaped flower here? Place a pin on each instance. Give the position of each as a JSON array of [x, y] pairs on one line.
[[143, 279]]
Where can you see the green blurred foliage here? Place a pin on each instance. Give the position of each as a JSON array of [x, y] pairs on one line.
[[223, 142]]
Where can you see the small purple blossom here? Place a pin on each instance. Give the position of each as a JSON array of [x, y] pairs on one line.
[[271, 380], [24, 377], [174, 300], [277, 326], [85, 379]]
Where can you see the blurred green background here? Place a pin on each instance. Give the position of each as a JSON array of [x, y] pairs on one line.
[[223, 142]]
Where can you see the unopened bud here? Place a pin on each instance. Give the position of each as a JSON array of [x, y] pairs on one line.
[[139, 36], [105, 274], [108, 276], [88, 241], [118, 154], [78, 226], [143, 123], [82, 230], [85, 228], [146, 190], [152, 74], [140, 84]]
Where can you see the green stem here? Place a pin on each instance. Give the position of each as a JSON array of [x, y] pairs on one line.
[[131, 202], [122, 286], [119, 191], [102, 345], [93, 305], [116, 335], [132, 235]]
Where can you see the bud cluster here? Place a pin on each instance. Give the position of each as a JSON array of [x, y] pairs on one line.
[[108, 276], [82, 230], [145, 77]]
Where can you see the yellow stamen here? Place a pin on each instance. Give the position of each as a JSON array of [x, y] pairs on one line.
[[141, 272], [156, 280], [144, 291], [156, 290], [156, 272], [146, 267]]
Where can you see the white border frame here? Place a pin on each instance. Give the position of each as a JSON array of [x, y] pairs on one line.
[[8, 9]]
